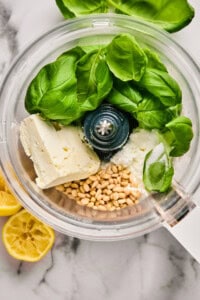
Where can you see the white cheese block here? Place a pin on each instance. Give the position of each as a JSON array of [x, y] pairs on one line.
[[58, 156]]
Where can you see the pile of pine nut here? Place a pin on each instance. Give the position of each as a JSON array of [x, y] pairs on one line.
[[111, 188]]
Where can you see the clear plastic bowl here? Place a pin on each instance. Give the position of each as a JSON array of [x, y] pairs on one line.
[[66, 216]]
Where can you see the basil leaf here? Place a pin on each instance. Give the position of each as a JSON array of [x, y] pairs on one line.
[[158, 170], [125, 96], [175, 110], [75, 8], [53, 91], [94, 80], [179, 135], [153, 60], [126, 58], [90, 48], [151, 113], [171, 15], [161, 85], [64, 9]]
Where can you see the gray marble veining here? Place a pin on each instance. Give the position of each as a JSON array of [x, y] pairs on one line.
[[8, 40]]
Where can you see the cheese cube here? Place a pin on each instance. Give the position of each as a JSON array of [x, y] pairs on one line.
[[58, 156]]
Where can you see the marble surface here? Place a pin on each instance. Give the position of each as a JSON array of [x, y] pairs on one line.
[[151, 267]]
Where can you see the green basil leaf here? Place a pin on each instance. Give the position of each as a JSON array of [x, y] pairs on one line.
[[64, 9], [94, 80], [161, 85], [90, 48], [75, 8], [125, 96], [64, 111], [78, 52], [179, 135], [171, 15], [158, 170], [153, 60], [125, 58], [53, 91], [175, 110], [151, 113]]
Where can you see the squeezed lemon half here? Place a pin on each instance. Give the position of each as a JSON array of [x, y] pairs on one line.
[[9, 205], [26, 238], [2, 183]]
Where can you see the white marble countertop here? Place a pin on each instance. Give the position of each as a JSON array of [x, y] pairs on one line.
[[151, 267]]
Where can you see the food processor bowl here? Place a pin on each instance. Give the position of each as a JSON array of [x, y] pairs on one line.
[[51, 206]]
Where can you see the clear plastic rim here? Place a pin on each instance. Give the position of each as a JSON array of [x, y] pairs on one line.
[[50, 216]]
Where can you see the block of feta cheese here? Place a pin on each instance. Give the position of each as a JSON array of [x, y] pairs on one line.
[[58, 156]]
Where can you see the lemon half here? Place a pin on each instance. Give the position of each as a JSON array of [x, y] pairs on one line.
[[9, 205], [26, 238]]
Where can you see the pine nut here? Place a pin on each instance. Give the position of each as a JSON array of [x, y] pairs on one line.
[[81, 195], [93, 178], [121, 201], [82, 189], [111, 181], [102, 202], [95, 183], [104, 184], [132, 197], [111, 186], [129, 201], [60, 188], [122, 195], [108, 205], [115, 196], [85, 201], [102, 207], [119, 168], [88, 181], [74, 186], [93, 193], [86, 187], [108, 192], [106, 176], [98, 192], [106, 198], [125, 176], [74, 193], [118, 189], [114, 175], [126, 171], [99, 197], [137, 194], [127, 192], [124, 183], [114, 168]]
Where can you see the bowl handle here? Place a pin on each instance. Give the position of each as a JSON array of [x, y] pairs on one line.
[[187, 232], [181, 217]]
